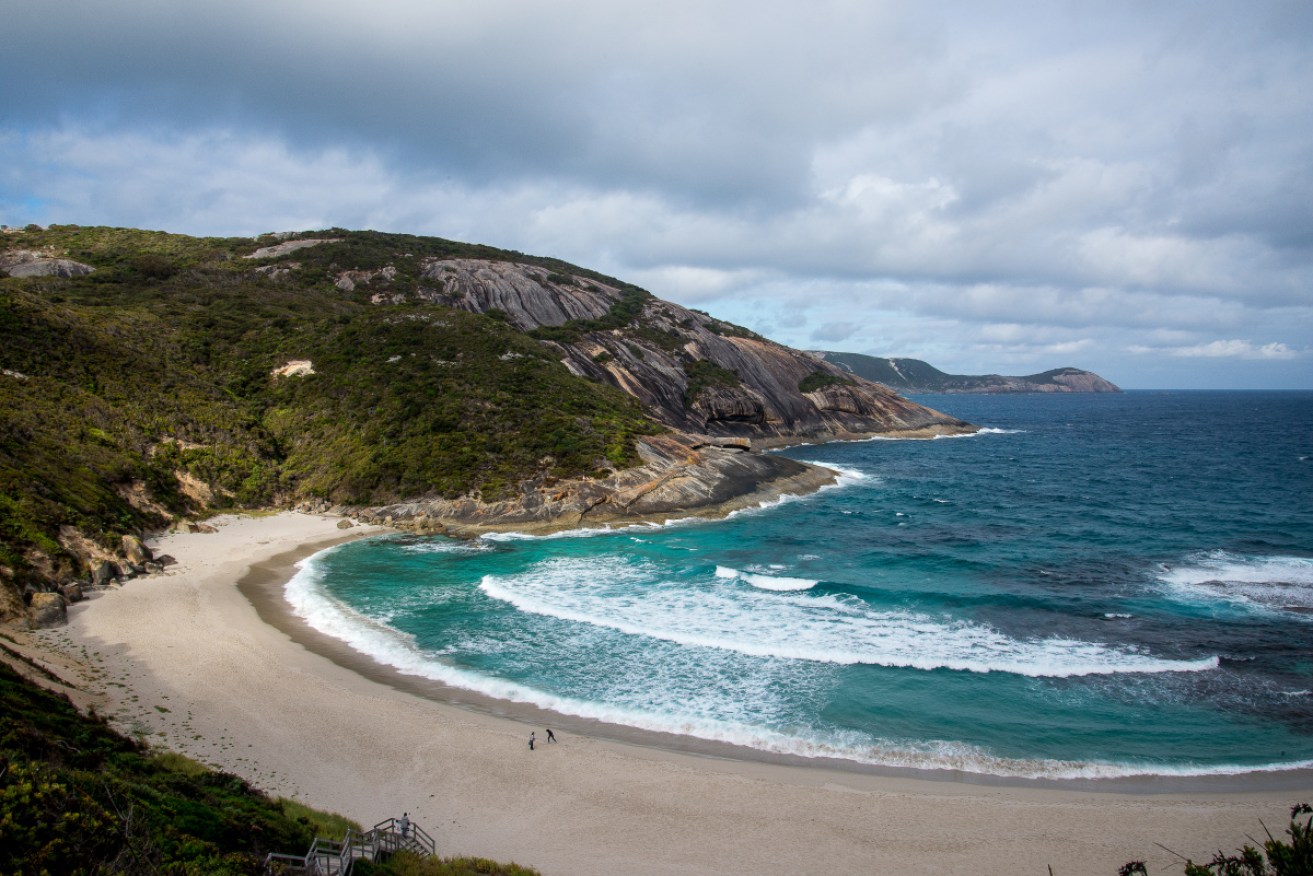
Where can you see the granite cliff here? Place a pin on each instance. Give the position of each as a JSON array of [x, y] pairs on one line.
[[689, 370]]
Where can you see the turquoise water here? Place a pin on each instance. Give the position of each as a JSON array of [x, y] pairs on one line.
[[1095, 586]]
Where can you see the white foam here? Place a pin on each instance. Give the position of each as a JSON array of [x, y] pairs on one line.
[[628, 596], [779, 583], [1264, 583], [399, 651]]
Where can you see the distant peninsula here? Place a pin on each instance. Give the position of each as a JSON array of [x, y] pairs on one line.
[[914, 375]]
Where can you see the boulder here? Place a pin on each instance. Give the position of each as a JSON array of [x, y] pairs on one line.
[[48, 610], [344, 524], [134, 551], [30, 263], [166, 560], [102, 573], [72, 591]]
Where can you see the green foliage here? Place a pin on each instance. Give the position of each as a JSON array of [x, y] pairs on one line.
[[819, 379], [408, 864], [77, 797], [626, 312], [703, 374], [326, 824], [157, 367], [1277, 857], [729, 329]]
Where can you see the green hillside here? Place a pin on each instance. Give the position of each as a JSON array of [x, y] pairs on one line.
[[145, 389]]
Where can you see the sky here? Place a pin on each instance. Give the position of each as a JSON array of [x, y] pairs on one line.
[[993, 187]]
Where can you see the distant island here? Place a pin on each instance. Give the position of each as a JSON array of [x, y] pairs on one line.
[[913, 375]]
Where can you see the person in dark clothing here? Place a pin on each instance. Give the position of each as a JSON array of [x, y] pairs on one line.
[[531, 740], [551, 737]]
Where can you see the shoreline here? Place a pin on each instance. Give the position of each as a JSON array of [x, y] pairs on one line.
[[264, 584], [188, 660]]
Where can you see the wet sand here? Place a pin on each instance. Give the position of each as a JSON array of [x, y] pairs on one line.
[[207, 660]]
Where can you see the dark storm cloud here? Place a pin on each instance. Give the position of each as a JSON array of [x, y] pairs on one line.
[[1125, 181]]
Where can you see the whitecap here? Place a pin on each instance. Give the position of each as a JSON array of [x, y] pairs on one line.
[[1262, 583], [794, 624], [761, 581]]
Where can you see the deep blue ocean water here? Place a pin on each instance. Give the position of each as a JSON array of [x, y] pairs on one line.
[[1094, 586]]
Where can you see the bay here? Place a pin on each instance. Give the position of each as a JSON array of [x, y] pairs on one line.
[[1093, 586]]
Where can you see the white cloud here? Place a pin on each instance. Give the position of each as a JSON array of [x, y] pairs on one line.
[[1235, 349]]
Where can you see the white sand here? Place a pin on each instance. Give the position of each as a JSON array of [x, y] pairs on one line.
[[241, 695]]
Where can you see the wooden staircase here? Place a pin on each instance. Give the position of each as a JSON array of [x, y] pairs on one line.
[[333, 858]]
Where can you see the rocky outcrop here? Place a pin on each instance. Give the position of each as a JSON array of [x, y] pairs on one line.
[[347, 281], [681, 476], [32, 263], [692, 372], [294, 368], [281, 249], [529, 296]]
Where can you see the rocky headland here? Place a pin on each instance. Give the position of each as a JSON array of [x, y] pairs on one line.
[[152, 379]]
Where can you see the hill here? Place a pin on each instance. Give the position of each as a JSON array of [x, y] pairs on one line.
[[913, 375], [148, 377]]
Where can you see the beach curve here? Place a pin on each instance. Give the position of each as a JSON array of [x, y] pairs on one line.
[[203, 672]]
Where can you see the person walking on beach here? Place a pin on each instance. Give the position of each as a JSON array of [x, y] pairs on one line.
[[551, 737], [531, 732]]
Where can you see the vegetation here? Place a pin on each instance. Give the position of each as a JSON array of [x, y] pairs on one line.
[[126, 388], [1277, 857], [820, 379], [703, 375], [407, 864], [625, 312], [77, 797]]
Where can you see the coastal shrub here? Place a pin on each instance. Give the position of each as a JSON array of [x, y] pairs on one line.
[[704, 374], [820, 379], [1278, 857], [408, 864]]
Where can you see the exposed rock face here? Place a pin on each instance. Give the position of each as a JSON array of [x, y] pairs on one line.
[[681, 476], [11, 601], [653, 354], [347, 281], [282, 249], [30, 263], [295, 368], [525, 293]]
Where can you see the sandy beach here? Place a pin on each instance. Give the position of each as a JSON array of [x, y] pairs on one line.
[[191, 660]]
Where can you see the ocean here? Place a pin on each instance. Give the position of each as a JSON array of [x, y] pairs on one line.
[[1094, 586]]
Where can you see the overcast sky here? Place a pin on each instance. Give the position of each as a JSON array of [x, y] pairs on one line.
[[990, 186]]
